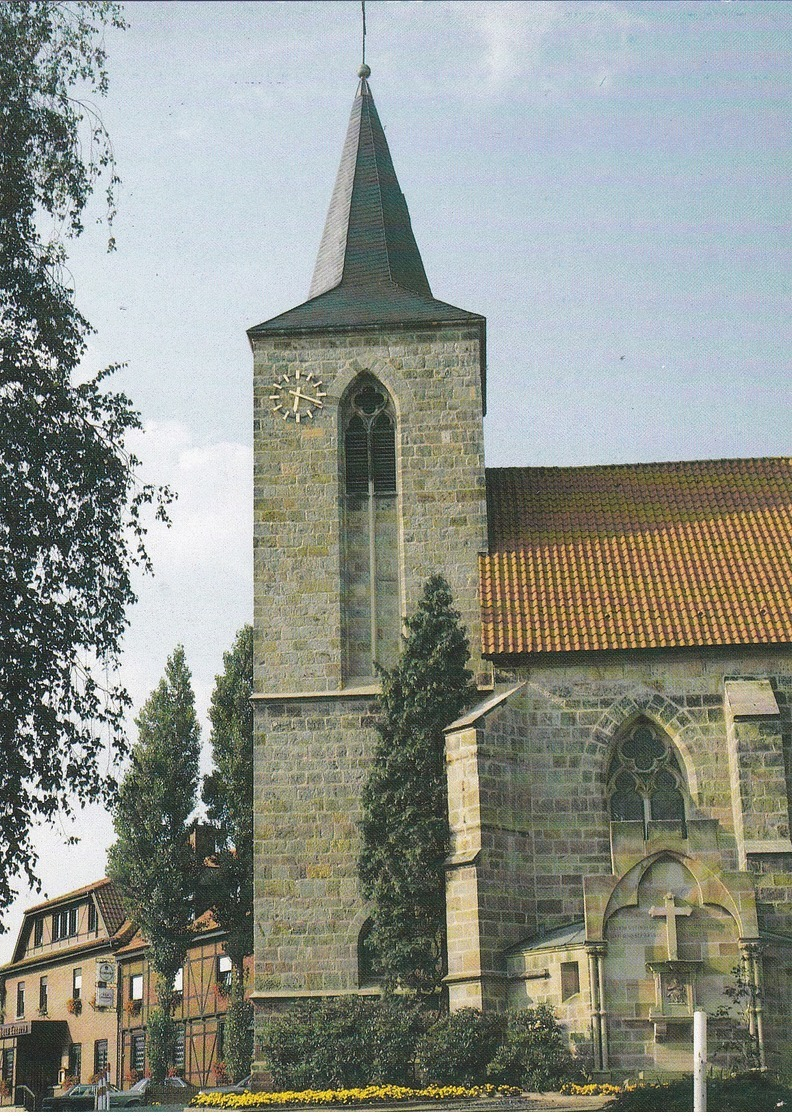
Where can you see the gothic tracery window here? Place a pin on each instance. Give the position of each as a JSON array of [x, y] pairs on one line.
[[370, 441], [645, 782], [371, 608]]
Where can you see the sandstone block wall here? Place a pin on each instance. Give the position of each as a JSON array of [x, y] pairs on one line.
[[540, 766], [434, 378]]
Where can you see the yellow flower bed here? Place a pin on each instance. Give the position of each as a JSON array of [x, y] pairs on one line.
[[371, 1094], [595, 1089]]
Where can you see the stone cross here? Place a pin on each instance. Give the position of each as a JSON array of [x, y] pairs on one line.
[[670, 912]]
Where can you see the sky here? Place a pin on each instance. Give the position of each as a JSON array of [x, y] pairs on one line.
[[609, 183]]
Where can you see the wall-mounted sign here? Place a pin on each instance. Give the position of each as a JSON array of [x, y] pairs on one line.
[[105, 997], [11, 1030], [105, 971]]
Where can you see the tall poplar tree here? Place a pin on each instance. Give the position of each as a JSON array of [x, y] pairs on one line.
[[70, 501], [152, 862], [228, 794], [405, 816]]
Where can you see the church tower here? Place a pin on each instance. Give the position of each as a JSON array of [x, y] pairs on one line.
[[369, 478]]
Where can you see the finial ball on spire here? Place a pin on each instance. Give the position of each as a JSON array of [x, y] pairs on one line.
[[364, 71]]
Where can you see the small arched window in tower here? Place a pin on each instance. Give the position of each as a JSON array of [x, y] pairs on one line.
[[369, 967], [370, 441], [645, 782]]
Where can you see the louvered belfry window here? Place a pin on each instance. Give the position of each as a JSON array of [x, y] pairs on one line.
[[370, 441]]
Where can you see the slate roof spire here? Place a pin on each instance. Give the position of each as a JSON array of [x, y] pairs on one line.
[[369, 270], [368, 237]]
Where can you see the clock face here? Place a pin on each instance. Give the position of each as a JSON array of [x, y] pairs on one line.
[[297, 395]]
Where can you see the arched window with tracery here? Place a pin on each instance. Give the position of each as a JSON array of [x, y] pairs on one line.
[[371, 619], [645, 781]]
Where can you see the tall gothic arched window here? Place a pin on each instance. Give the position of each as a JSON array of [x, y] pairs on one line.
[[645, 782], [371, 615], [370, 441]]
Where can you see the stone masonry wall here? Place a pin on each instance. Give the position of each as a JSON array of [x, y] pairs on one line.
[[433, 375], [542, 766], [313, 724], [311, 761]]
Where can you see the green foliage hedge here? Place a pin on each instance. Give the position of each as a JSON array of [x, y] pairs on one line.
[[744, 1092], [342, 1043], [352, 1041]]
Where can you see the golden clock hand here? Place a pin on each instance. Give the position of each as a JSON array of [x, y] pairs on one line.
[[308, 398]]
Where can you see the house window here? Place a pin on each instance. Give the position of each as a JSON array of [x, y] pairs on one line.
[[100, 1055], [645, 782], [75, 1060], [136, 987], [570, 979], [178, 980], [38, 932], [43, 990], [77, 984], [20, 1003], [64, 924], [7, 1065], [138, 1053], [93, 918], [224, 971]]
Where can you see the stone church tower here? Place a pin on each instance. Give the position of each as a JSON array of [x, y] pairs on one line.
[[619, 803], [369, 477]]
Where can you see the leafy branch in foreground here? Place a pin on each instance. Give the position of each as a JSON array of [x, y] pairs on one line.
[[71, 503]]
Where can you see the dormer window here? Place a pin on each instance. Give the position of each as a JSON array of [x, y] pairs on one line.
[[93, 919], [38, 932], [64, 924]]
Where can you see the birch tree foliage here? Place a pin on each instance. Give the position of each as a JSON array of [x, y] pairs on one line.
[[71, 505]]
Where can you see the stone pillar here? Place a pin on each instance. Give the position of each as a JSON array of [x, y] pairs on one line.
[[756, 764]]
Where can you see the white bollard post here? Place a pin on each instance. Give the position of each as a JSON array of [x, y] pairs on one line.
[[699, 1061]]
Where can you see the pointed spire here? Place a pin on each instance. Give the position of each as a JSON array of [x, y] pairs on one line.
[[368, 239]]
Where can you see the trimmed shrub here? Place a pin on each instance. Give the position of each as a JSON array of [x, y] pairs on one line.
[[343, 1043], [458, 1048], [534, 1053]]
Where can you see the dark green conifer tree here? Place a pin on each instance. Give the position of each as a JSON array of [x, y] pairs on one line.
[[405, 821], [152, 861], [228, 794]]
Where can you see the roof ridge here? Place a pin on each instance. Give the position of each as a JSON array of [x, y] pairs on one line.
[[613, 465]]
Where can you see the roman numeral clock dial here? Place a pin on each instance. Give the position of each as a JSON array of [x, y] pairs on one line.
[[297, 395]]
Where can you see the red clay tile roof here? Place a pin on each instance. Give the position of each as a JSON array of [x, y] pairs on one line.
[[685, 554]]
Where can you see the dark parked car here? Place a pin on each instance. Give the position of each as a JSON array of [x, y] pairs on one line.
[[242, 1086], [82, 1098]]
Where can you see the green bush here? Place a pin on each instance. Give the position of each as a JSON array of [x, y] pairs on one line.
[[160, 1032], [343, 1043], [534, 1053], [744, 1092], [239, 1039], [458, 1048]]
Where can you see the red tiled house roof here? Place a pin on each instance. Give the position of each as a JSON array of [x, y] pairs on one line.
[[684, 554]]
